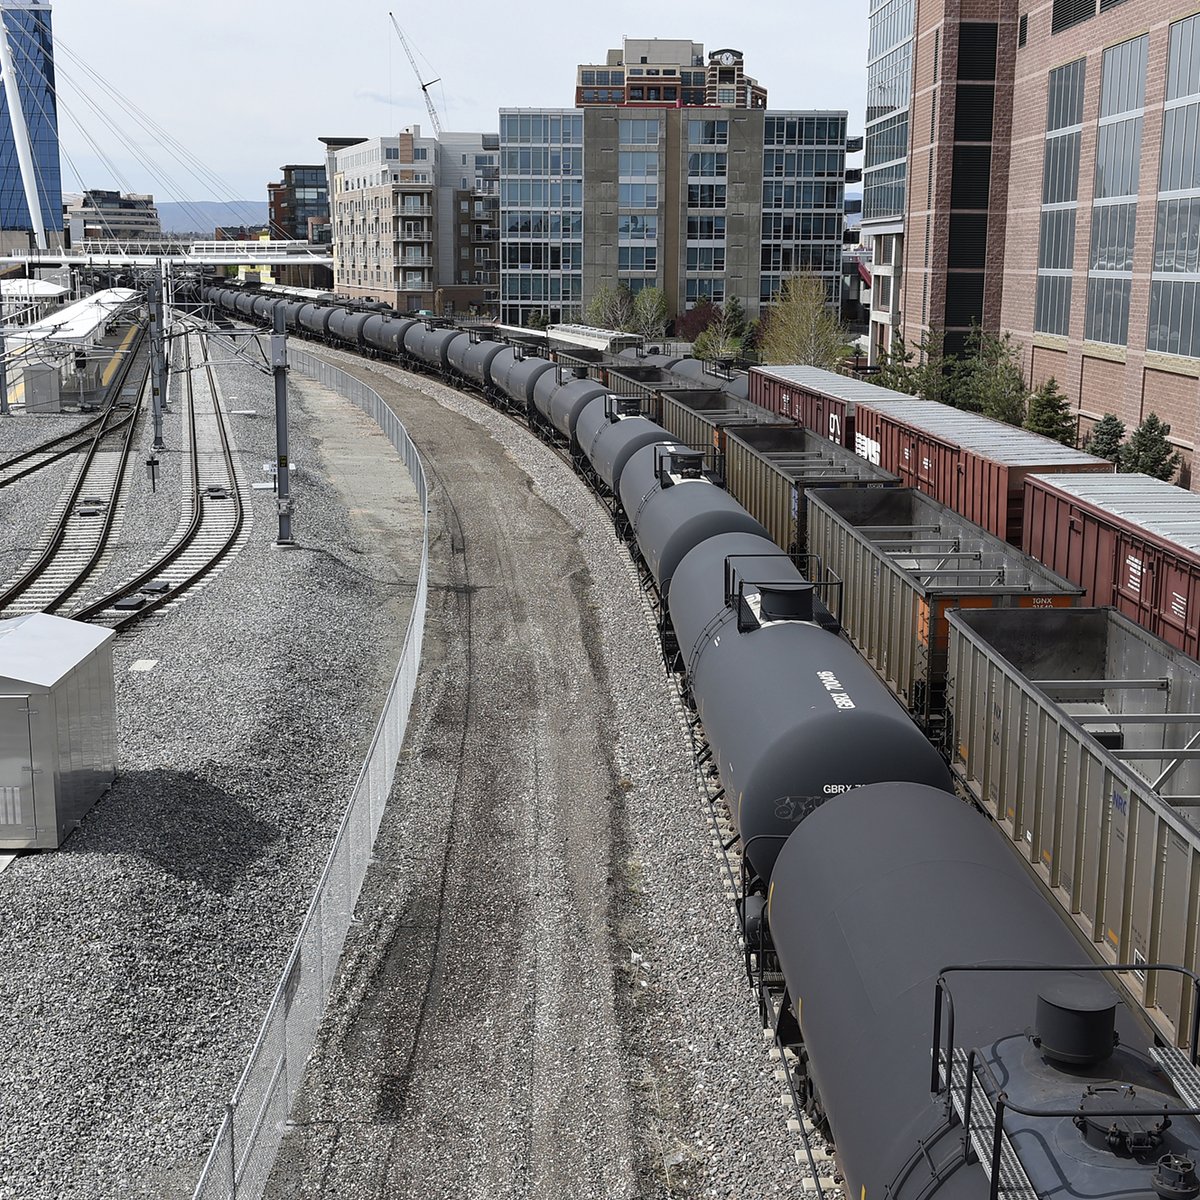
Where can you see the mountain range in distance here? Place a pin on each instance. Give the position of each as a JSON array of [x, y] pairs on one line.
[[203, 216]]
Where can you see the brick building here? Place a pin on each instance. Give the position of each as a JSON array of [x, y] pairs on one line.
[[1050, 188]]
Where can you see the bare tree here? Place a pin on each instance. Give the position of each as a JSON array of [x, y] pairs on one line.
[[610, 307], [649, 313], [802, 328]]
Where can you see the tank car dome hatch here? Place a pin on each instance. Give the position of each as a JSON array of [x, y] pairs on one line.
[[1076, 1020], [1174, 1178], [610, 430], [1105, 1119], [672, 507]]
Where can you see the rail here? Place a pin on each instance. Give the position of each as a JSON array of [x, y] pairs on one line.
[[243, 1153]]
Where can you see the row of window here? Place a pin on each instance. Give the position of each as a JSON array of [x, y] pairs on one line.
[[542, 224], [541, 160], [601, 78], [801, 258], [803, 164], [564, 129], [551, 256], [541, 193], [802, 195], [520, 285], [804, 131], [769, 286]]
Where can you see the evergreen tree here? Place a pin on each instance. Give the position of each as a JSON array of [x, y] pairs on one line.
[[734, 314], [1050, 414], [1106, 437], [1149, 451], [536, 320], [987, 377], [897, 369], [801, 327]]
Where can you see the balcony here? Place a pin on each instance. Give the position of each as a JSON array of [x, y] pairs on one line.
[[414, 210], [414, 235], [412, 264]]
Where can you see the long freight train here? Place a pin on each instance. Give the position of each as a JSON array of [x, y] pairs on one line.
[[891, 907]]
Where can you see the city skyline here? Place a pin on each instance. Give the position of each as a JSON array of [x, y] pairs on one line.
[[350, 77]]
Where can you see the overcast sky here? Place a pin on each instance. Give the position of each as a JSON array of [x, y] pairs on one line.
[[248, 85]]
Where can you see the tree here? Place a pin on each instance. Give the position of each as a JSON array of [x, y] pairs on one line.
[[720, 340], [1049, 414], [610, 307], [1149, 451], [1106, 437], [537, 320], [802, 328], [987, 377], [734, 314], [691, 324], [649, 316], [897, 368]]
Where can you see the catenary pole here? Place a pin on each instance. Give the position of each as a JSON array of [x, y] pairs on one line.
[[283, 481]]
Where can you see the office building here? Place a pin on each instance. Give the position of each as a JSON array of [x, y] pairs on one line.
[[27, 25], [301, 194], [111, 219], [414, 220], [704, 200]]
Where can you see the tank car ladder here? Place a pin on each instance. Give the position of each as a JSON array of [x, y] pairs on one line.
[[985, 1136]]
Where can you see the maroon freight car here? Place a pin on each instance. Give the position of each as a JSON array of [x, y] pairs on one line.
[[822, 401], [1128, 540], [968, 462]]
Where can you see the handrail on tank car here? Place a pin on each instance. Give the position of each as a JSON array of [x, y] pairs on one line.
[[943, 995]]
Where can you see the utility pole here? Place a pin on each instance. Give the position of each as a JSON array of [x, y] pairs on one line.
[[158, 370], [283, 482]]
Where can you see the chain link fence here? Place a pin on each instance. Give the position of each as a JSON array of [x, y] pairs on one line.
[[243, 1154]]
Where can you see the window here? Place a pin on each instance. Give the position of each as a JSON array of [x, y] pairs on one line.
[[420, 153], [637, 195], [726, 96], [699, 290], [637, 258], [708, 133], [706, 258], [1114, 208], [707, 229], [1060, 188], [706, 195], [635, 227], [1174, 326], [708, 165], [637, 164], [638, 132]]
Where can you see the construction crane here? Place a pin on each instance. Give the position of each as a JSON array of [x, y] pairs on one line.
[[433, 114]]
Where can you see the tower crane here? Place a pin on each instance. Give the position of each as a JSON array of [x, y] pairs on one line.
[[433, 113]]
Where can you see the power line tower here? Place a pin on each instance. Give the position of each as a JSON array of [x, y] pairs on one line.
[[433, 113]]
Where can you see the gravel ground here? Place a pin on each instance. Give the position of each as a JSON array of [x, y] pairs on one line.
[[136, 962], [501, 1028]]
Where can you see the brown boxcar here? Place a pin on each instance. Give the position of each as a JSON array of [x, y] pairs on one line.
[[968, 462], [822, 401], [768, 468], [905, 560], [1127, 540]]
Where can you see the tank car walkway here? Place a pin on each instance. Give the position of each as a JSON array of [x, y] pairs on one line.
[[472, 1048]]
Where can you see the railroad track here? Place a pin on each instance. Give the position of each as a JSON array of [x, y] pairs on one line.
[[214, 521], [122, 396], [74, 545]]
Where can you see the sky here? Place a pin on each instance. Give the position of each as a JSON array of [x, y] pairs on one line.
[[249, 85]]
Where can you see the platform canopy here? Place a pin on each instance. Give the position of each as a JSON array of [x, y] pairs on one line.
[[78, 324], [30, 289]]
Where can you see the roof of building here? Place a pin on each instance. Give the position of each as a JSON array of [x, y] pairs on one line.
[[38, 650], [30, 289]]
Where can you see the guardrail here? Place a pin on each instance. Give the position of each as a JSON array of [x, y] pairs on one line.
[[244, 1151]]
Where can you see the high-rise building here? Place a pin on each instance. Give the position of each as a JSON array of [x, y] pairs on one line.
[[301, 194], [415, 220], [885, 165], [112, 218], [27, 27], [1051, 190], [702, 197]]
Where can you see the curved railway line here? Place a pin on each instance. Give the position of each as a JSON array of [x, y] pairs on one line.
[[74, 544], [213, 524]]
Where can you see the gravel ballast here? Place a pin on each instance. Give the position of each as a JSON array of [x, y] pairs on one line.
[[543, 992]]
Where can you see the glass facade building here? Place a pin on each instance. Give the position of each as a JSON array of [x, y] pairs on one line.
[[27, 25], [889, 90], [541, 214]]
